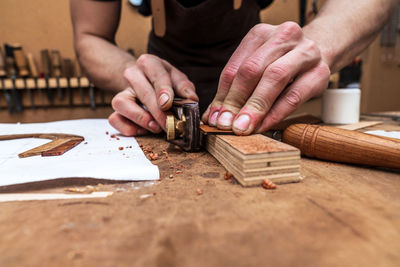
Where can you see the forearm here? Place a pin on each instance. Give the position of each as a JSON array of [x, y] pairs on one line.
[[343, 29], [103, 61]]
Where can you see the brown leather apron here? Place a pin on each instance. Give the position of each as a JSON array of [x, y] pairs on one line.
[[200, 40]]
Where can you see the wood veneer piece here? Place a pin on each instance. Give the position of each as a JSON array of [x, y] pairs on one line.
[[359, 125], [60, 143]]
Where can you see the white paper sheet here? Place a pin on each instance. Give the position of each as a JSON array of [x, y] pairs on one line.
[[392, 134], [27, 197], [96, 157]]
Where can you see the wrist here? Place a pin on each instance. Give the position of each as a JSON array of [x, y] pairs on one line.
[[329, 53]]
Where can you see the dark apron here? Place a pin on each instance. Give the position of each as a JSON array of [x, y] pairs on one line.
[[200, 40]]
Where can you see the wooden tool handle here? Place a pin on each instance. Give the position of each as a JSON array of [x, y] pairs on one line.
[[32, 65], [3, 72], [55, 63], [45, 58], [334, 144], [20, 60], [67, 68]]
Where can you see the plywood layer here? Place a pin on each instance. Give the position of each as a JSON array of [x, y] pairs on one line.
[[253, 158]]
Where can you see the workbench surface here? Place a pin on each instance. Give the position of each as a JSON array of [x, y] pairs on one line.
[[339, 215]]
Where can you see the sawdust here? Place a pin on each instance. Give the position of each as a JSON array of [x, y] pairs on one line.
[[86, 190]]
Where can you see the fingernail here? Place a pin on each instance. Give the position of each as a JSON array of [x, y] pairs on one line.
[[225, 119], [163, 99], [242, 123], [213, 119], [154, 126]]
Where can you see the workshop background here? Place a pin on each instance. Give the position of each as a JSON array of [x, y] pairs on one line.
[[44, 24]]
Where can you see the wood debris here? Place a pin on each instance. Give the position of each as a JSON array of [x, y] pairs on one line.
[[199, 191], [86, 190], [121, 148], [228, 176], [267, 184], [153, 156]]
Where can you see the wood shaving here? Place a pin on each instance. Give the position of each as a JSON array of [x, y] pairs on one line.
[[144, 196], [153, 156], [228, 176], [121, 148], [199, 191], [86, 190], [267, 184]]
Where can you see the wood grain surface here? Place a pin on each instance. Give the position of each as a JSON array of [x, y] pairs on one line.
[[339, 215], [341, 145]]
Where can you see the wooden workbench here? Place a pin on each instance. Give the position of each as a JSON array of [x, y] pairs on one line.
[[339, 215]]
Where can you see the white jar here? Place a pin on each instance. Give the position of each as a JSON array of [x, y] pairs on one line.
[[341, 106]]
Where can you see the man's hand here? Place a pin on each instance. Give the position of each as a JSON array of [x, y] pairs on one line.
[[151, 82], [272, 72]]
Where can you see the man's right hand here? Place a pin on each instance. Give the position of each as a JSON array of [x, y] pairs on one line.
[[153, 82]]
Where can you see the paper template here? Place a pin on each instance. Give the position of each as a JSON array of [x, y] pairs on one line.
[[99, 156]]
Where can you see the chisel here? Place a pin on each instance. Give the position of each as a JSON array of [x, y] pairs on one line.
[[3, 74], [12, 74], [23, 71], [56, 60], [31, 83], [92, 95], [45, 58], [67, 72]]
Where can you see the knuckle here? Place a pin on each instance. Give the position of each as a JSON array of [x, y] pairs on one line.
[[259, 104], [117, 101], [143, 59], [129, 72], [259, 29], [277, 74], [290, 30], [228, 74], [293, 98], [250, 69]]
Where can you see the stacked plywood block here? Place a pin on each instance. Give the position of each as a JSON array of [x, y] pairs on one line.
[[253, 158]]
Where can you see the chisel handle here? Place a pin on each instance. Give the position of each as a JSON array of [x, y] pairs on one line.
[[3, 72], [55, 59], [45, 58], [20, 60], [32, 66], [334, 144]]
